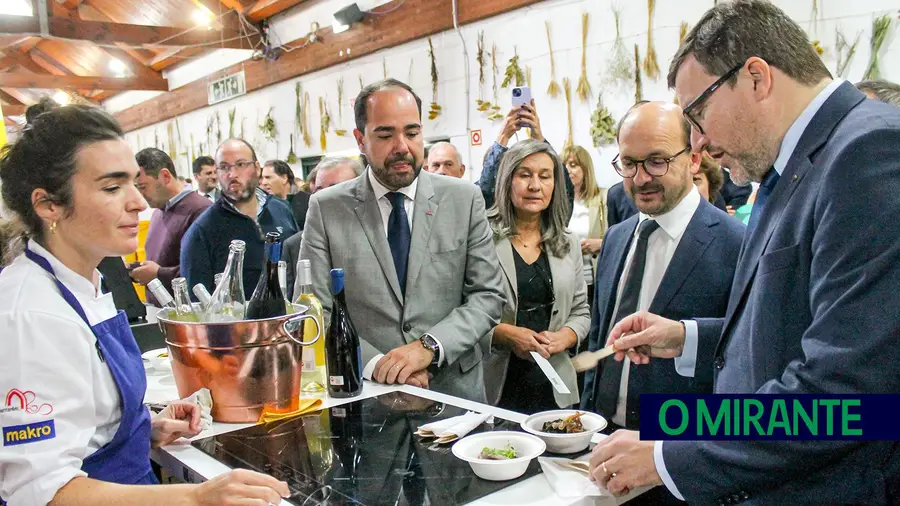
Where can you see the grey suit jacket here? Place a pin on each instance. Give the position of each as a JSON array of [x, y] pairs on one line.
[[453, 287], [570, 309], [290, 253]]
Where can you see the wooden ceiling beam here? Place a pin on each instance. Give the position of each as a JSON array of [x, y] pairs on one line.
[[23, 98], [68, 4], [264, 9], [26, 62], [415, 20], [111, 33], [174, 56], [13, 109], [22, 80], [9, 99]]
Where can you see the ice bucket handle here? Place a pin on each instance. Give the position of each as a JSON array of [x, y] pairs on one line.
[[294, 323]]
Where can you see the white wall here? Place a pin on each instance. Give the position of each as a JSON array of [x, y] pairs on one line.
[[524, 31]]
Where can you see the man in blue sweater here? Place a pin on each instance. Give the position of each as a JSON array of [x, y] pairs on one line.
[[246, 212]]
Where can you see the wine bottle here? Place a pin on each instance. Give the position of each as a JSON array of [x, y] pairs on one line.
[[183, 309], [227, 303], [163, 297], [267, 300], [202, 295], [282, 283], [217, 279], [342, 352], [313, 357]]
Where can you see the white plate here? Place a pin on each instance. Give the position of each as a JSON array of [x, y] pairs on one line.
[[155, 360], [527, 447], [564, 443]]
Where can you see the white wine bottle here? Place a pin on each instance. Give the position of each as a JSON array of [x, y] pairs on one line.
[[228, 299], [183, 308], [313, 357]]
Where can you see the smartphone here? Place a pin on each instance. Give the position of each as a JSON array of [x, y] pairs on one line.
[[521, 95]]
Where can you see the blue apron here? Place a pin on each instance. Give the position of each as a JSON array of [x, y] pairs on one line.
[[125, 459]]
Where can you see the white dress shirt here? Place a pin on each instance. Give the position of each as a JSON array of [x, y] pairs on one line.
[[385, 206], [661, 246], [50, 354], [685, 364]]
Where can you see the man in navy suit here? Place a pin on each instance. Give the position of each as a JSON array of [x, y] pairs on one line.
[[813, 307], [618, 206], [682, 265]]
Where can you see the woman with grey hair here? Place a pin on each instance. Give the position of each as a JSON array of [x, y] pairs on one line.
[[547, 309]]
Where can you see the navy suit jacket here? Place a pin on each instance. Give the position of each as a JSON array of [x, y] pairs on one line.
[[815, 308], [697, 281], [619, 206]]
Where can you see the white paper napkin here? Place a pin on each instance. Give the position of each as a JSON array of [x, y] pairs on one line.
[[203, 398], [451, 429], [569, 483]]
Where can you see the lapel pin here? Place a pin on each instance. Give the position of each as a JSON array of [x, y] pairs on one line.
[[429, 212]]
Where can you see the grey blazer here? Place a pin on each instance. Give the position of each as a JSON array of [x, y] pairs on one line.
[[453, 289], [569, 310]]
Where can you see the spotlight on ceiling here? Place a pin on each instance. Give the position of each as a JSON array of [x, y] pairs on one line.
[[61, 98], [345, 17], [117, 66]]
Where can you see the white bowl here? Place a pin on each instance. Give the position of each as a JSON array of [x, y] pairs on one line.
[[527, 447], [564, 443], [158, 359]]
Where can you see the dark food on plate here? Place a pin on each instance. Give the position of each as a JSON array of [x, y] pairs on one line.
[[498, 454], [568, 425]]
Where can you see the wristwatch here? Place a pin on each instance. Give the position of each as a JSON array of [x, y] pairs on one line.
[[431, 344]]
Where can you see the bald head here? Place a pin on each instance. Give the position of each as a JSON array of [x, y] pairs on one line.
[[443, 158], [654, 134], [334, 170]]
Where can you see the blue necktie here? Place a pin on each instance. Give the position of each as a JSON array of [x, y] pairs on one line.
[[762, 195], [399, 236]]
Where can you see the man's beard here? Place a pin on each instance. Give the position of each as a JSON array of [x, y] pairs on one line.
[[670, 197], [750, 167], [247, 191], [392, 180]]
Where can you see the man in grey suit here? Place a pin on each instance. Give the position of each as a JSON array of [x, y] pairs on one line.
[[812, 308], [423, 282]]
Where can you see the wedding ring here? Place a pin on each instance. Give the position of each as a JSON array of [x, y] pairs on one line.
[[603, 466]]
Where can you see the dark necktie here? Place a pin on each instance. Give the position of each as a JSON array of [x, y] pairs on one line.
[[611, 375], [399, 236], [762, 195]]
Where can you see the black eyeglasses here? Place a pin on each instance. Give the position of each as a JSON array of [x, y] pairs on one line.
[[705, 96], [656, 166]]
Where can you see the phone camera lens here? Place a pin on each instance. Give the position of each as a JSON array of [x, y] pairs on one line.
[[517, 92]]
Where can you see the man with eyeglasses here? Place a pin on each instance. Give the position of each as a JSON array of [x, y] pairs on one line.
[[677, 257], [244, 212], [813, 306]]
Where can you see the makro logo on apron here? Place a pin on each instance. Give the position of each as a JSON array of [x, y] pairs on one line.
[[29, 433]]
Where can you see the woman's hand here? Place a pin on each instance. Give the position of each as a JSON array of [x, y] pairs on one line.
[[509, 127], [239, 487], [179, 419], [528, 118], [591, 246], [559, 341], [521, 341]]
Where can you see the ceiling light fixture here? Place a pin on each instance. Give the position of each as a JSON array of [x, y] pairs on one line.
[[117, 66], [203, 16], [342, 19], [61, 98]]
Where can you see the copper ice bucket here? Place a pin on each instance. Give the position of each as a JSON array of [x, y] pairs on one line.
[[249, 366]]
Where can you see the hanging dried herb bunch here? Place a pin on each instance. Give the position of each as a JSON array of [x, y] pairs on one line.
[[267, 127], [210, 124], [243, 120], [384, 67], [880, 28], [814, 28], [156, 138], [682, 32], [492, 109], [340, 90], [553, 90], [567, 89], [218, 128], [603, 126], [306, 138], [324, 124], [513, 73], [844, 51], [173, 149], [584, 88], [298, 109], [620, 67], [231, 113], [528, 76], [193, 150], [482, 104], [638, 84], [291, 157], [651, 66], [435, 110]]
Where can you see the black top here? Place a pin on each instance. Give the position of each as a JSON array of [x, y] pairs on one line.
[[535, 286]]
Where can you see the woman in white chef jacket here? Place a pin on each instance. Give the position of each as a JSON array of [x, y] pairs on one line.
[[73, 426]]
